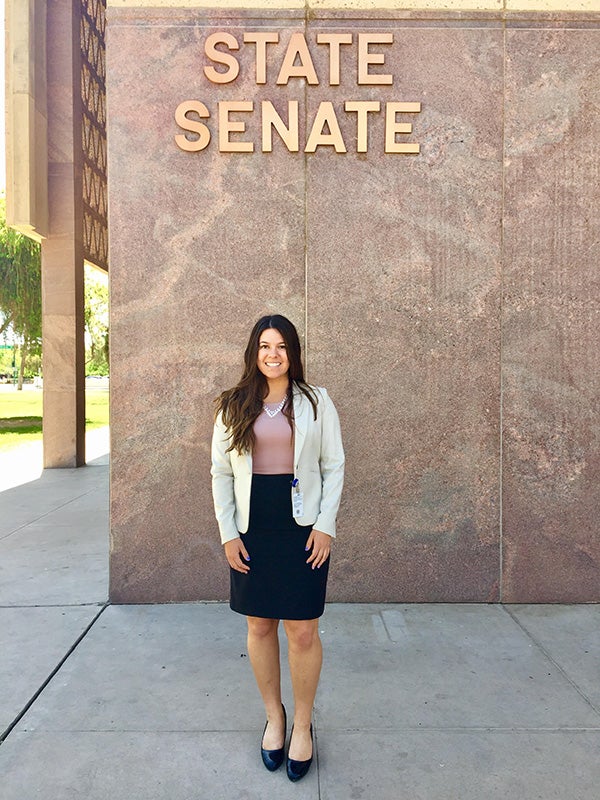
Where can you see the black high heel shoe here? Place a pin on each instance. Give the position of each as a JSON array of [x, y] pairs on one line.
[[298, 769], [273, 759]]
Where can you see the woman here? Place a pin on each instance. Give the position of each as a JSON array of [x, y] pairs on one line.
[[278, 469]]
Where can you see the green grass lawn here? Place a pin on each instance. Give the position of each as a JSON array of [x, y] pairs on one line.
[[21, 414]]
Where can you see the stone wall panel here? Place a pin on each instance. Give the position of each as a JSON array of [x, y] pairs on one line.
[[202, 244], [551, 312], [403, 298]]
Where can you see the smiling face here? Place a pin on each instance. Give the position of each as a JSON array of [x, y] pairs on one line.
[[272, 359]]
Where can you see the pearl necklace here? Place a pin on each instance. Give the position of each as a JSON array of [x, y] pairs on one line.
[[273, 413]]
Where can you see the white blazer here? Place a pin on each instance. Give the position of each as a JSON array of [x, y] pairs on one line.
[[318, 466]]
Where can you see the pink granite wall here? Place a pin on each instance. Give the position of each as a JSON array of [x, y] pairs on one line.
[[446, 302], [551, 317]]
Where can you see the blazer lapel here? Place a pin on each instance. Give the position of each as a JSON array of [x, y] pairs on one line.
[[302, 409]]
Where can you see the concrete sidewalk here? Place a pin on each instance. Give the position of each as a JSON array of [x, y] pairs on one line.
[[423, 702]]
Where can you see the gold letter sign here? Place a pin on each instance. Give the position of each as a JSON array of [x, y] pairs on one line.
[[238, 125]]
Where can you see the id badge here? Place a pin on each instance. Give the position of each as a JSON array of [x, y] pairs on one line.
[[297, 504]]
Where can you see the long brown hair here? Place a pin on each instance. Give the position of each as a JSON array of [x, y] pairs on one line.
[[241, 405]]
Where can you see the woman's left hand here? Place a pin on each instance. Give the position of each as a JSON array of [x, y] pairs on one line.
[[320, 544]]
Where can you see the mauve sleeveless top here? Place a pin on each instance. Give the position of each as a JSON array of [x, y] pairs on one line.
[[273, 452]]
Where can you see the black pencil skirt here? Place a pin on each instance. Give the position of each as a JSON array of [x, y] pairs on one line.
[[280, 584]]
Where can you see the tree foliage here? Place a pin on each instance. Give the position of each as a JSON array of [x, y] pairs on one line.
[[96, 322], [20, 289], [21, 301]]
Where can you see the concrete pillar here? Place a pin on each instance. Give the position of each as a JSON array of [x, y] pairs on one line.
[[62, 250], [63, 352]]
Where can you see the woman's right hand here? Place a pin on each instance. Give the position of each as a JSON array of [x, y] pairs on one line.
[[236, 555]]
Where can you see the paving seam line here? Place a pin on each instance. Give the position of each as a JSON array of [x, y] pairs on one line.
[[53, 605], [56, 669], [454, 730], [553, 661], [316, 760], [385, 627]]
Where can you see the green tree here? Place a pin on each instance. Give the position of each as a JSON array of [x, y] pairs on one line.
[[96, 321], [20, 290]]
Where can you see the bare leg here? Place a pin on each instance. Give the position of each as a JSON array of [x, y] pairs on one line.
[[305, 655], [263, 649]]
